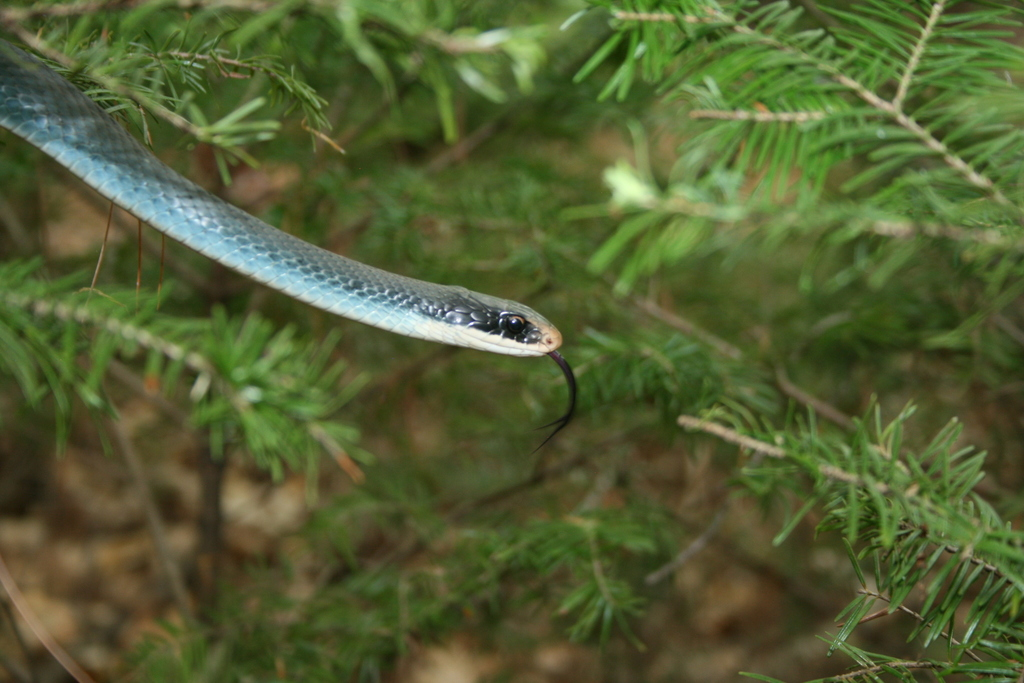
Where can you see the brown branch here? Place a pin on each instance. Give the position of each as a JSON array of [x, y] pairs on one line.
[[15, 14], [165, 557], [726, 434], [37, 627], [1014, 332], [826, 410], [686, 327], [23, 675], [880, 668], [698, 544], [459, 45], [762, 448], [210, 557]]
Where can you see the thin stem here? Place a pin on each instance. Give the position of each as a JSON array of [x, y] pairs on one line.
[[915, 615], [881, 668], [731, 436], [211, 527], [36, 626], [826, 410], [171, 570], [686, 327], [686, 554], [758, 116], [915, 57], [28, 675], [666, 18], [595, 565]]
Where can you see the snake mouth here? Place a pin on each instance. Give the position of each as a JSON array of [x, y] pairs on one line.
[[550, 339]]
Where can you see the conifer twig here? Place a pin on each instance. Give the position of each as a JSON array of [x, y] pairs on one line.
[[824, 469], [758, 116], [667, 18], [915, 56], [731, 436], [63, 10], [906, 610], [911, 229]]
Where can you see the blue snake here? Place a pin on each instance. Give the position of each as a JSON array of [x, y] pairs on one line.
[[48, 112]]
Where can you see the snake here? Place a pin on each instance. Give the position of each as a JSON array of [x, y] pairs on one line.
[[51, 114]]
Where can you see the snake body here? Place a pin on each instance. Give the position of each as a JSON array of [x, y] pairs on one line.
[[51, 114]]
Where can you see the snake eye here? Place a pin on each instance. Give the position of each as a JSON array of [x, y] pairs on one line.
[[515, 323]]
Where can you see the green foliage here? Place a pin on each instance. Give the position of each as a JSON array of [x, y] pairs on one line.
[[263, 390], [917, 520], [917, 103]]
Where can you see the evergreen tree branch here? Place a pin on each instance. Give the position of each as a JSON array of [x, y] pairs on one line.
[[678, 322], [886, 107], [906, 610], [263, 386]]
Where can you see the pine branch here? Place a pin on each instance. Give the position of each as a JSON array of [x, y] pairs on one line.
[[892, 109], [273, 391], [916, 516]]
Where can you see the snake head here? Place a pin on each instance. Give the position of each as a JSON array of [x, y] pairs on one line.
[[497, 325]]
